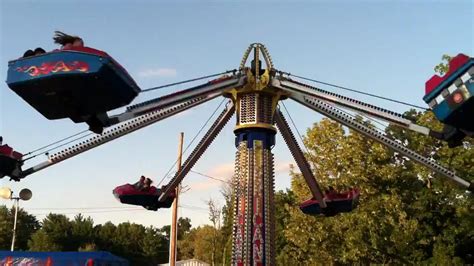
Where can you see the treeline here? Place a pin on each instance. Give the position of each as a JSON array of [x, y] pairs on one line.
[[406, 214], [139, 244]]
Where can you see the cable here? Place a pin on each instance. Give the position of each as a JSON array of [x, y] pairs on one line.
[[208, 176], [80, 208], [41, 148], [189, 80], [59, 146], [369, 118], [357, 91], [192, 207], [192, 140], [294, 125]]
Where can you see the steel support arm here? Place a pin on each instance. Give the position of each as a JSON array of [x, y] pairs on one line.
[[217, 86], [202, 146], [335, 114], [117, 132], [299, 158], [349, 103]]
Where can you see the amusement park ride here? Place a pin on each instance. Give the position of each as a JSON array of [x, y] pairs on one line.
[[84, 86]]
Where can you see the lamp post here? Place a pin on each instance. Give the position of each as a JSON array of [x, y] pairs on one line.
[[7, 193]]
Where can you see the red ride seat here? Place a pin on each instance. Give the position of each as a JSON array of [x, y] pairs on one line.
[[148, 198], [10, 161], [335, 202]]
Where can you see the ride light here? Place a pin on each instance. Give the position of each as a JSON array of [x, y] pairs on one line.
[[457, 97]]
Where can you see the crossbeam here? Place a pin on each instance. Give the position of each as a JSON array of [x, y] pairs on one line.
[[116, 132], [346, 120], [202, 146], [299, 158]]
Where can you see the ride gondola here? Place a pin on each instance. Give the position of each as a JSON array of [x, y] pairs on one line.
[[147, 198], [10, 161], [336, 203], [80, 83], [451, 97]]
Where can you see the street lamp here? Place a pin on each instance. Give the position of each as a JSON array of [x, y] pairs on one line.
[[7, 193]]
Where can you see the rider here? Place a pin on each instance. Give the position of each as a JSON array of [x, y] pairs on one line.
[[74, 43], [143, 184]]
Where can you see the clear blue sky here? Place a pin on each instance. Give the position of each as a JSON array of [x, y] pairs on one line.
[[387, 48]]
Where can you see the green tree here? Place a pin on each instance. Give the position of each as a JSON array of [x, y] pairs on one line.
[[105, 234], [186, 246], [215, 218], [203, 243], [26, 225], [184, 226], [227, 223], [155, 246], [82, 231], [399, 220], [443, 67], [284, 201], [56, 231], [40, 241]]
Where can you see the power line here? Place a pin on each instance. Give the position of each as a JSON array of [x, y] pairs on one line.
[[94, 210], [357, 91], [103, 211], [80, 208], [187, 81], [192, 140], [211, 177], [193, 207]]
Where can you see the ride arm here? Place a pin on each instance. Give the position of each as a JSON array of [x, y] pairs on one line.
[[214, 87], [354, 105], [346, 120], [202, 146], [142, 115], [299, 158]]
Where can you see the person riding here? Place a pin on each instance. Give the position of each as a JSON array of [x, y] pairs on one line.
[[67, 41], [75, 43], [144, 184], [147, 185], [140, 184]]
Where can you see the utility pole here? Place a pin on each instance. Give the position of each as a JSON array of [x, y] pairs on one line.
[[174, 222]]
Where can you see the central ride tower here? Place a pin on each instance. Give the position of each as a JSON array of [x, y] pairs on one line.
[[253, 241]]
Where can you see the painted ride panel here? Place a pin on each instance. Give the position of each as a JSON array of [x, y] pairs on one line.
[[78, 84]]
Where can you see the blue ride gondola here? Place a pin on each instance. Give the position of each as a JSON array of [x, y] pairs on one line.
[[80, 83], [451, 97]]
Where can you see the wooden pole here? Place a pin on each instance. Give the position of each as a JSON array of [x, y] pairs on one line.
[[174, 222]]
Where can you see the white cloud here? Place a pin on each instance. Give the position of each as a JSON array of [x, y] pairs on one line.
[[158, 72], [222, 171], [225, 171], [205, 185], [283, 167]]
